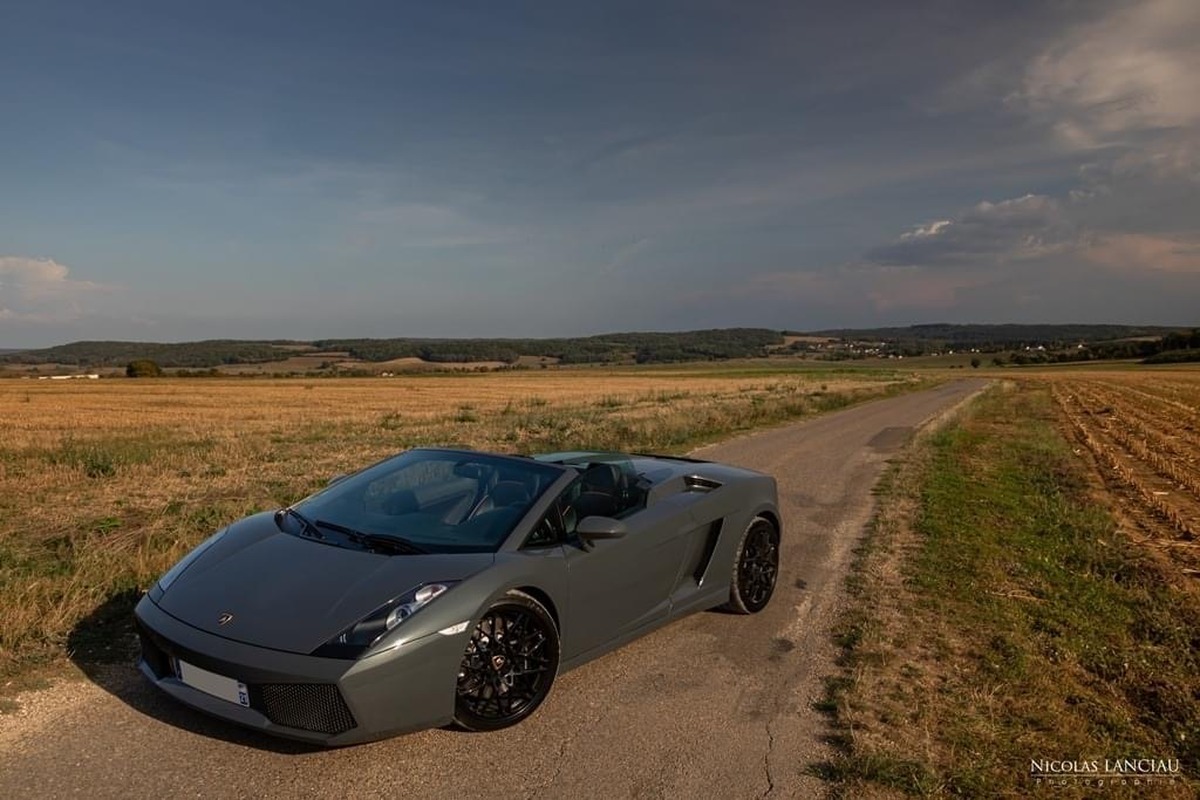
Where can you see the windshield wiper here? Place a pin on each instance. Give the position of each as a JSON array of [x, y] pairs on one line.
[[309, 529], [396, 544]]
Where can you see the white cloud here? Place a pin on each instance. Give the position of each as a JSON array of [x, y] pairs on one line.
[[1134, 71], [932, 229], [1024, 211], [40, 290]]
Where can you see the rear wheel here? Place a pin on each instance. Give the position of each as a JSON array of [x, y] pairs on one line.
[[509, 664], [755, 568]]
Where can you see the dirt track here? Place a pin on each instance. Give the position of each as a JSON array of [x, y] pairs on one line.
[[714, 705]]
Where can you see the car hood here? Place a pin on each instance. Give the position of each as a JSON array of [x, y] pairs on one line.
[[294, 594]]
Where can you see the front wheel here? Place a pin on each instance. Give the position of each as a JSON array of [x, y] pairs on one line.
[[755, 568], [509, 664]]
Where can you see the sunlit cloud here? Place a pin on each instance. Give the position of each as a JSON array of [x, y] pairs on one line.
[[924, 231], [1132, 71], [41, 290]]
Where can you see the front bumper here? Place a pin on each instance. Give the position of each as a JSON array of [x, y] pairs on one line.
[[327, 701]]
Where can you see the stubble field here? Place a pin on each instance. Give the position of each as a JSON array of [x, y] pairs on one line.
[[1144, 431], [104, 484]]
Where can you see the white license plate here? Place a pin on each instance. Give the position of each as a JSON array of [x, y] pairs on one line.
[[214, 684]]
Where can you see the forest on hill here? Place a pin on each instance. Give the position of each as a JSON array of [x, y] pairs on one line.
[[991, 338], [617, 347], [1048, 343]]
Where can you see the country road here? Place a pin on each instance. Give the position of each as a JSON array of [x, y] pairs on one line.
[[714, 705]]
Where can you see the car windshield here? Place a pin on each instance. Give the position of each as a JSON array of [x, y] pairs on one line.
[[436, 501]]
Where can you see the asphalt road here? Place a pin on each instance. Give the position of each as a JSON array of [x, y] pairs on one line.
[[714, 705]]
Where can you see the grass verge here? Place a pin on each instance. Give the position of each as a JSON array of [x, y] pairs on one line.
[[998, 617]]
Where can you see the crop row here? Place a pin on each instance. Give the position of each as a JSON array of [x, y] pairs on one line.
[[1128, 465], [1143, 437], [1182, 417]]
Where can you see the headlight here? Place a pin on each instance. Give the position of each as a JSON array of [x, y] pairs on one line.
[[354, 641], [174, 572]]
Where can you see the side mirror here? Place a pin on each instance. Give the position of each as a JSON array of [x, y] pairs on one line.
[[592, 528], [341, 476]]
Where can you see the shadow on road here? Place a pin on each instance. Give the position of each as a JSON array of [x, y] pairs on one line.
[[105, 647]]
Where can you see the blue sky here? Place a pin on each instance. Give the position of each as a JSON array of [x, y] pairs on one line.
[[176, 171]]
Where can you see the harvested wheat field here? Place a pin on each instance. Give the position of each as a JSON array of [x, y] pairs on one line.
[[103, 484], [1144, 430]]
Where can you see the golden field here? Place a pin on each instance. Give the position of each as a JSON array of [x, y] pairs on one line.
[[104, 484]]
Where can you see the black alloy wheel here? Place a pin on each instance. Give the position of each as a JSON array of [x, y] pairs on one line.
[[509, 665], [756, 567]]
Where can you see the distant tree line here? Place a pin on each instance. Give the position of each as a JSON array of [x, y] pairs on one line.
[[209, 353], [1032, 343], [617, 347], [1175, 347], [917, 340], [641, 347]]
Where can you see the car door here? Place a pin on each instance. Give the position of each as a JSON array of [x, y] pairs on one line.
[[618, 586]]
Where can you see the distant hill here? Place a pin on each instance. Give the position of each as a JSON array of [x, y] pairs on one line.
[[1049, 342], [997, 337], [1026, 344], [615, 347], [117, 354]]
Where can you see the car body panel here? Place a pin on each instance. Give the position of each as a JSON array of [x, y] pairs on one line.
[[289, 595], [619, 585], [405, 689]]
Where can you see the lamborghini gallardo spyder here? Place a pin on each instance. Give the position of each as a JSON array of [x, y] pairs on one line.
[[448, 586]]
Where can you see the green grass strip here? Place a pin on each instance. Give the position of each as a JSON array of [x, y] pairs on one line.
[[1020, 625]]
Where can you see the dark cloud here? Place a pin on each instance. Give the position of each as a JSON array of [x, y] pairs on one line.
[[1018, 229]]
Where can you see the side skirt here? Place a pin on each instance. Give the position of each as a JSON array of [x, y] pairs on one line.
[[702, 601]]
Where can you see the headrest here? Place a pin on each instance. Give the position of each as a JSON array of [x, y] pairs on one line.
[[602, 478], [594, 504]]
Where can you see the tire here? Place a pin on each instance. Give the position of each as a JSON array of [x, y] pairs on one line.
[[508, 666], [755, 568]]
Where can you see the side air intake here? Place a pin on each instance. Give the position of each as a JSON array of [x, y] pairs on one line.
[[710, 547], [698, 483]]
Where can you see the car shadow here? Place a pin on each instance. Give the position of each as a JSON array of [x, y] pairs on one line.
[[104, 646]]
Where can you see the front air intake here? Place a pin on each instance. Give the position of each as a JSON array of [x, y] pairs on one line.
[[315, 707], [155, 657]]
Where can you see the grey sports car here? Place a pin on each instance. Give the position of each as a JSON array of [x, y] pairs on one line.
[[450, 586]]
